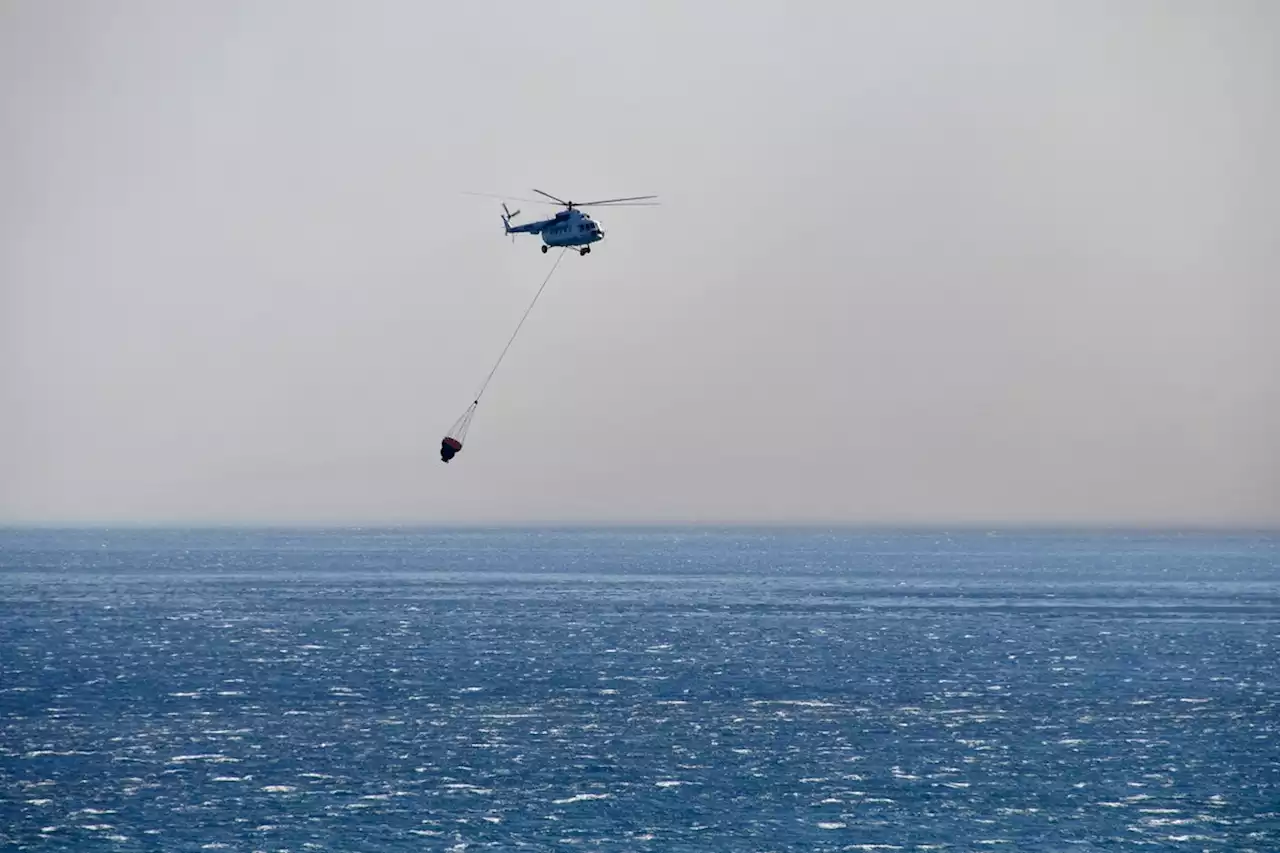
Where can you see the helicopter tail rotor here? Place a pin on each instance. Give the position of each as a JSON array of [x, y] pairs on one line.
[[507, 216]]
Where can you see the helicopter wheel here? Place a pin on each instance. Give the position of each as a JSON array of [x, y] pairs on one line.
[[544, 249], [585, 250]]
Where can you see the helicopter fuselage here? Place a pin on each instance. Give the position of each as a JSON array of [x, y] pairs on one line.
[[567, 228]]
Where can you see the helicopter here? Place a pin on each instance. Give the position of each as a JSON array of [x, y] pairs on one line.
[[568, 228]]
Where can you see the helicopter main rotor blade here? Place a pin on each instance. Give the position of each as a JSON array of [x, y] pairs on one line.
[[508, 197], [613, 200], [634, 201], [553, 198]]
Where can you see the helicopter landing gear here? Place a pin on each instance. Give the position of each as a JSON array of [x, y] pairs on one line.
[[544, 248], [585, 250]]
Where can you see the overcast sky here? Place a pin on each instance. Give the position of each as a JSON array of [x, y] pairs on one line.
[[916, 261]]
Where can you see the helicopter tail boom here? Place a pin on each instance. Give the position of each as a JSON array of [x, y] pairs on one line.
[[527, 228]]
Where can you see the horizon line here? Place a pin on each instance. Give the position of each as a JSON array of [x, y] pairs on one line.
[[1006, 526]]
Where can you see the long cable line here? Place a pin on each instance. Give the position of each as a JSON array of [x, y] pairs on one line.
[[452, 442], [512, 339]]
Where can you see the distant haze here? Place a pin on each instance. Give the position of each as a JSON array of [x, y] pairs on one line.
[[916, 262]]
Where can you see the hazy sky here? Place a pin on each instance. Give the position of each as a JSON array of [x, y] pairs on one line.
[[916, 261]]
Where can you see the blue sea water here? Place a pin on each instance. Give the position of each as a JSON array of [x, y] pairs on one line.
[[644, 690]]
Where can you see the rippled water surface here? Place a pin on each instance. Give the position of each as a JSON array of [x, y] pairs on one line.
[[638, 691]]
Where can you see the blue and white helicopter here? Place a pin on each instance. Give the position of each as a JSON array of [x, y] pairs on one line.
[[568, 228]]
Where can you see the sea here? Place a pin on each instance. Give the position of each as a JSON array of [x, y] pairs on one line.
[[639, 689]]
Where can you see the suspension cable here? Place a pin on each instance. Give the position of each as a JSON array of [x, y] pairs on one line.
[[512, 339]]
